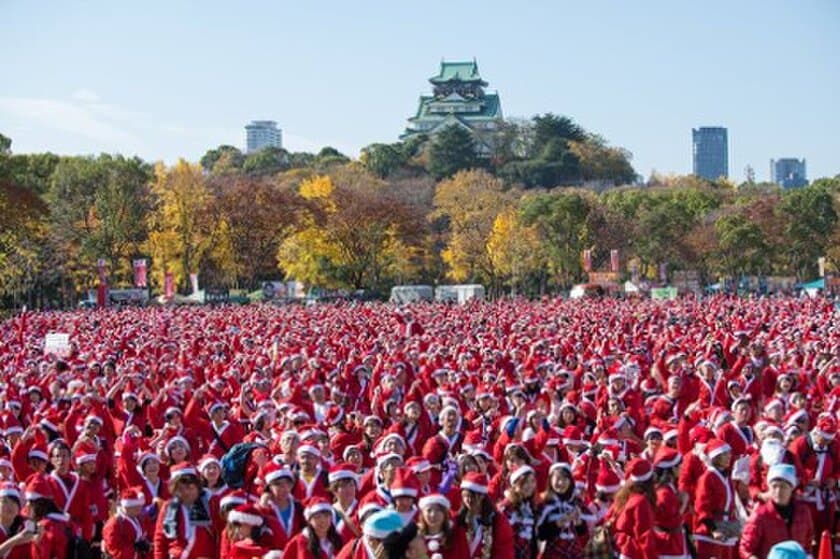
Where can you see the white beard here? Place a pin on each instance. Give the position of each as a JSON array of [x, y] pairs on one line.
[[772, 452]]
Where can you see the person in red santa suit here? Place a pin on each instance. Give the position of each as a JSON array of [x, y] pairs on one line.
[[405, 491], [443, 538], [126, 535], [344, 486], [277, 501], [313, 479], [489, 534], [818, 456], [71, 492], [319, 538], [185, 526], [15, 539], [53, 526], [246, 533], [669, 529], [780, 518], [631, 514], [715, 529]]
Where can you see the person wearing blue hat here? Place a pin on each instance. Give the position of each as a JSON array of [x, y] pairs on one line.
[[787, 550], [780, 519], [376, 528]]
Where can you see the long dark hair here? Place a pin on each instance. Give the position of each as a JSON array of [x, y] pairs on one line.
[[314, 544], [485, 516], [40, 508]]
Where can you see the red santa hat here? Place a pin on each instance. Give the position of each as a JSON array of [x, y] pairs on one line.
[[716, 447], [9, 489], [38, 451], [520, 472], [207, 460], [666, 457], [334, 416], [639, 470], [272, 472], [234, 499], [132, 497], [435, 499], [246, 514], [475, 482], [38, 486], [343, 471], [573, 435], [826, 426], [405, 484], [418, 464], [182, 469], [314, 505], [308, 449], [85, 454], [607, 480]]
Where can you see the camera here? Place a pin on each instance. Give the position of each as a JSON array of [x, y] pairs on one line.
[[142, 545]]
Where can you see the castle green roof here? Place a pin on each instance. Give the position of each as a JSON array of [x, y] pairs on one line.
[[457, 71]]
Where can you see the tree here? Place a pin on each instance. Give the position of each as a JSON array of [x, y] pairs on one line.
[[811, 219], [468, 204], [267, 161], [180, 231], [742, 246], [452, 150], [382, 159], [223, 159], [561, 219], [354, 233], [5, 145], [22, 233], [514, 250], [600, 162]]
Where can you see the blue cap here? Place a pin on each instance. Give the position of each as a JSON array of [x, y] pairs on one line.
[[784, 472], [787, 550], [381, 523]]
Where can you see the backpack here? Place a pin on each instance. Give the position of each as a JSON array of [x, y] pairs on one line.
[[234, 463], [77, 547]]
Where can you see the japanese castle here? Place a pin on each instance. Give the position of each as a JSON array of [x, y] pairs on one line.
[[458, 98]]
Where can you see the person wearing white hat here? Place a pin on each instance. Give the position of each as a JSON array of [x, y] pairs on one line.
[[520, 509], [780, 518], [443, 539], [715, 527]]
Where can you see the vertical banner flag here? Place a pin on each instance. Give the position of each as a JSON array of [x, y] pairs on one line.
[[169, 285], [634, 272], [614, 262], [821, 264], [194, 282], [587, 260], [663, 272], [140, 273], [102, 288]]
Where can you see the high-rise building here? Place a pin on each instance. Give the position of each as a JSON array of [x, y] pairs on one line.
[[710, 152], [788, 172], [458, 98], [261, 134]]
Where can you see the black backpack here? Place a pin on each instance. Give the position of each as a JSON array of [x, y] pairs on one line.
[[234, 463]]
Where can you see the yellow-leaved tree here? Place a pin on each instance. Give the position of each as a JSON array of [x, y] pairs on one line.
[[468, 204], [514, 250], [180, 228]]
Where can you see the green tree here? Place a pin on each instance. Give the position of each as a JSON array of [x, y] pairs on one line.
[[267, 161], [223, 159], [561, 219], [811, 219], [452, 150], [5, 145], [382, 159], [742, 246]]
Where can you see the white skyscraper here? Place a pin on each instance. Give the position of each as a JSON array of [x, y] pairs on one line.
[[262, 133]]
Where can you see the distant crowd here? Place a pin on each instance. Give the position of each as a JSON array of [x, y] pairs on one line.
[[509, 429]]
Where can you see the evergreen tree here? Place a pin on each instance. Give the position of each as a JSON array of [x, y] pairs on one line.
[[451, 151]]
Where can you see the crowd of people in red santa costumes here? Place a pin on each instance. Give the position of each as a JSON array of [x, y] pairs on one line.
[[508, 429]]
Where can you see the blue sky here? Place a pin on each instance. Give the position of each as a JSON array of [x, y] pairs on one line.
[[170, 79]]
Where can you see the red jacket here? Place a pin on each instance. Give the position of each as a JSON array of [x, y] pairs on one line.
[[766, 527], [119, 535], [53, 541], [633, 528], [298, 548], [714, 502], [190, 542]]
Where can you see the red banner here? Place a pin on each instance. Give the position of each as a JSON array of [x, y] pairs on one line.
[[169, 285], [614, 261], [587, 260], [140, 273], [102, 288]]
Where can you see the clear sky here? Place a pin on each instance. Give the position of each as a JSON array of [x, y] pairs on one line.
[[164, 79]]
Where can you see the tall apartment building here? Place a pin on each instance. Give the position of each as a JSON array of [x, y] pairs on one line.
[[262, 133], [710, 151], [788, 172]]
